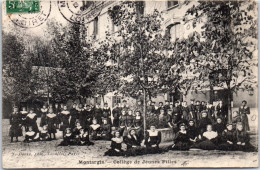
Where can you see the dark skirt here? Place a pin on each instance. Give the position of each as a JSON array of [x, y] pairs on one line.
[[43, 120], [245, 122], [15, 131], [135, 151], [205, 145], [182, 146], [226, 147], [152, 150], [112, 152]]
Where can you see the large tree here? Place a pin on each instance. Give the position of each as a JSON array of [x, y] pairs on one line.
[[138, 48], [222, 54]]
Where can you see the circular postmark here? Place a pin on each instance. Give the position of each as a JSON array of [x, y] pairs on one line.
[[79, 12], [32, 20]]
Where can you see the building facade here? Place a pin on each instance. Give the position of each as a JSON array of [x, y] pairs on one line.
[[173, 13]]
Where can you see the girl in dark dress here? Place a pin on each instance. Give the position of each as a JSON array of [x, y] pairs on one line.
[[51, 122], [74, 116], [244, 110], [129, 119], [84, 138], [57, 111], [203, 122], [163, 119], [116, 146], [107, 113], [209, 139], [138, 119], [67, 138], [133, 144], [64, 117], [122, 123], [31, 119], [192, 131], [219, 126], [44, 134], [152, 140], [185, 111], [227, 139], [105, 130], [82, 116], [44, 111], [241, 139], [76, 130], [23, 117], [94, 130], [181, 140], [16, 125]]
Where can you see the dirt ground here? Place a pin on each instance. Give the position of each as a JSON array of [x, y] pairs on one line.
[[50, 155]]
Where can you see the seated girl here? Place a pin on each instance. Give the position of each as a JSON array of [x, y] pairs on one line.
[[152, 140], [241, 139], [181, 140], [84, 138], [30, 135], [44, 134], [208, 140], [227, 139], [94, 130], [67, 138], [219, 126], [192, 131], [116, 146], [76, 130], [105, 130], [133, 144]]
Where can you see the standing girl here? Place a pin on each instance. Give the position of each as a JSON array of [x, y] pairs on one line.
[[244, 110], [51, 121], [16, 125], [44, 111], [31, 119]]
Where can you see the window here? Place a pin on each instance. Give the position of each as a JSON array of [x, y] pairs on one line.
[[175, 31], [116, 100], [95, 31], [172, 3], [140, 7]]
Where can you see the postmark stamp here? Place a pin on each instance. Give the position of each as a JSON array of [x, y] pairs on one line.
[[32, 19], [79, 12], [22, 6]]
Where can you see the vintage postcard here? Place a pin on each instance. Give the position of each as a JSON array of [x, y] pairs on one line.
[[129, 84]]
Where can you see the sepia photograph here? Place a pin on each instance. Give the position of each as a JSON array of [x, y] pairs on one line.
[[129, 84]]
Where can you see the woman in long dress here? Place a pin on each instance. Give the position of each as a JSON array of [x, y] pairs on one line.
[[51, 122], [244, 110], [44, 112], [16, 125]]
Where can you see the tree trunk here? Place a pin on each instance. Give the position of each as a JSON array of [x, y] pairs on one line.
[[229, 104], [144, 111]]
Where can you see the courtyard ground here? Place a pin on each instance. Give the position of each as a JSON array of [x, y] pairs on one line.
[[50, 155]]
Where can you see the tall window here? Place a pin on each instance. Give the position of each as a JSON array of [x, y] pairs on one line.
[[116, 100], [140, 7], [175, 31], [95, 32], [172, 3]]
